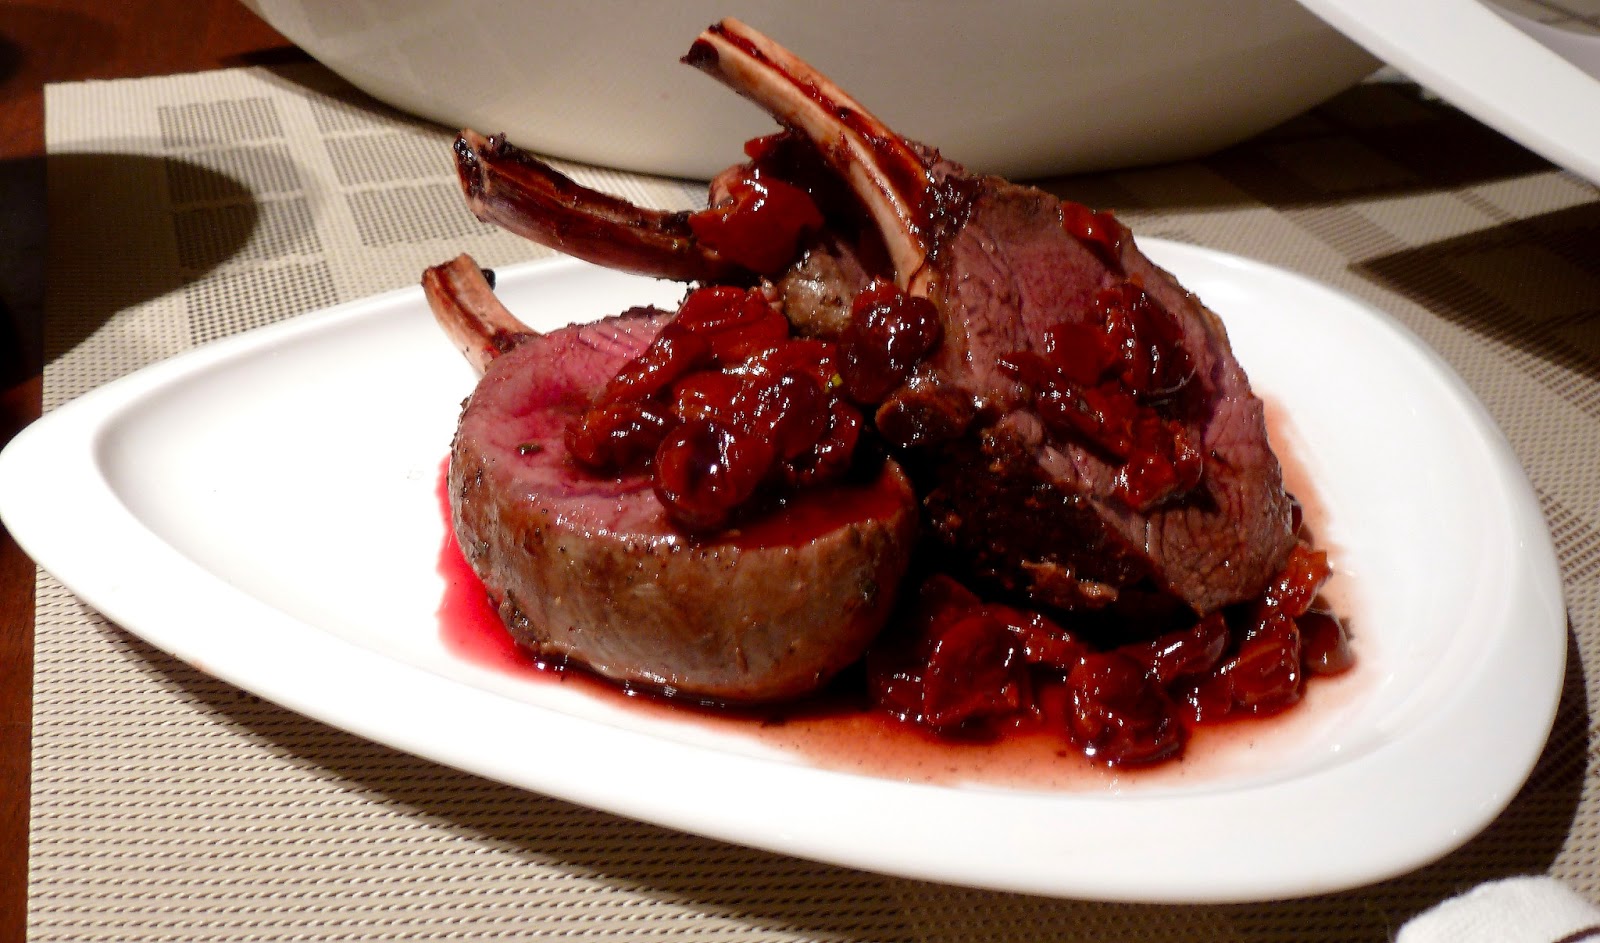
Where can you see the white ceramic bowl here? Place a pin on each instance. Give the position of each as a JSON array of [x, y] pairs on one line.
[[1017, 87]]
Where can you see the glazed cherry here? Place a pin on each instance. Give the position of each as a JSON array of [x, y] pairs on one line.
[[1043, 641], [1118, 715], [790, 410], [618, 436], [1154, 364], [1266, 676], [1165, 462], [1185, 653], [761, 224], [958, 664], [1084, 353], [724, 408], [1208, 698], [736, 323], [670, 356], [898, 657], [833, 455], [817, 359], [1111, 381], [705, 470], [1099, 231], [1295, 587], [706, 394], [889, 332], [716, 308], [1325, 646], [975, 670], [1098, 417]]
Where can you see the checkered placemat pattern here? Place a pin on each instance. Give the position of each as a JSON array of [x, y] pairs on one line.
[[170, 806]]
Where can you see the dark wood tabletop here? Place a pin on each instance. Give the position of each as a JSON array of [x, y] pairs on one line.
[[44, 41]]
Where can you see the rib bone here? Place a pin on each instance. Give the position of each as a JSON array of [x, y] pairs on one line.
[[511, 188], [465, 306], [885, 173]]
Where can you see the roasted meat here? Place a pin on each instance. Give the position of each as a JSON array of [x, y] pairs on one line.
[[589, 567], [1081, 436]]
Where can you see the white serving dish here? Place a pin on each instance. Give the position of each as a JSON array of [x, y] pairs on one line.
[[1022, 88], [265, 508], [1017, 87]]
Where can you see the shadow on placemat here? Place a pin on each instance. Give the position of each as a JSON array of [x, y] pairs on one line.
[[1532, 285], [139, 227], [779, 893], [1375, 141]]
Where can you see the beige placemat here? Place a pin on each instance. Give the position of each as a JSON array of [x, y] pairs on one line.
[[170, 806]]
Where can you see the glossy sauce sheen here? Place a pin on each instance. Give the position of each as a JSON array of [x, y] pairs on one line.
[[835, 730], [815, 512]]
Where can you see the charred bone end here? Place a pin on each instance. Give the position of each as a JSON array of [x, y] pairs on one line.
[[702, 55], [515, 190], [461, 296], [469, 169]]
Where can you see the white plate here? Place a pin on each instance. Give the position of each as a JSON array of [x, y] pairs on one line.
[[264, 508]]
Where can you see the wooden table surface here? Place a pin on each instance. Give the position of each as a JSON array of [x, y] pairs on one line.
[[44, 41]]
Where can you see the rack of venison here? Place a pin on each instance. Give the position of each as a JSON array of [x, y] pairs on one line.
[[950, 438]]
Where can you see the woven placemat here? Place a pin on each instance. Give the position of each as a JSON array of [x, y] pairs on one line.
[[170, 806]]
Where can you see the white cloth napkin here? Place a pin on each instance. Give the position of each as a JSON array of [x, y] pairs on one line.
[[1514, 910]]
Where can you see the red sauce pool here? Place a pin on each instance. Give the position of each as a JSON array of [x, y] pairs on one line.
[[832, 732]]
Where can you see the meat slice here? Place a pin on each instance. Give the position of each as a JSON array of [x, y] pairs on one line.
[[1001, 281], [589, 568], [1034, 512]]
